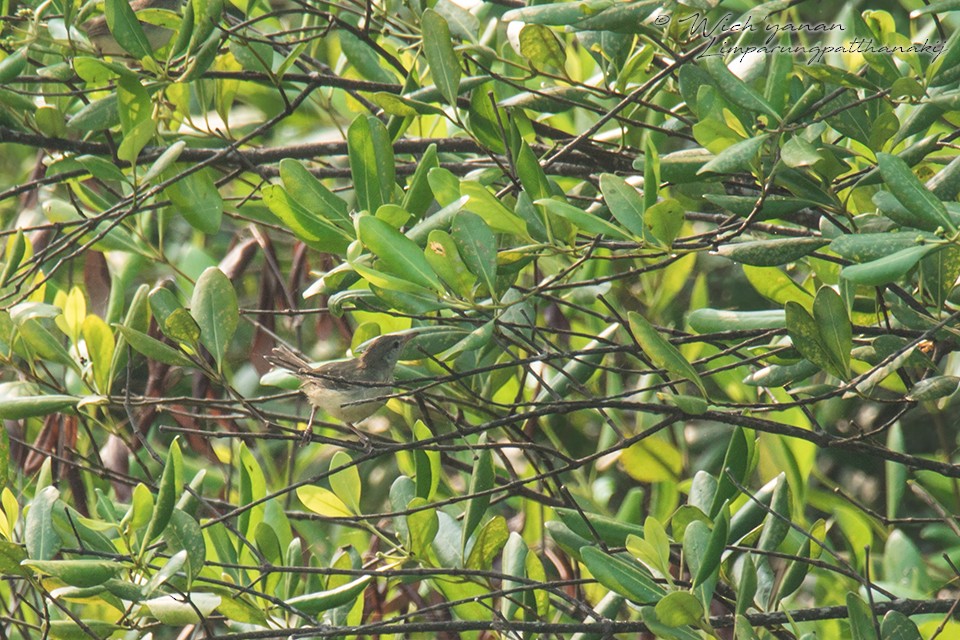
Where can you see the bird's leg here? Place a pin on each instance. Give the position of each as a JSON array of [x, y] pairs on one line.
[[307, 435], [364, 438]]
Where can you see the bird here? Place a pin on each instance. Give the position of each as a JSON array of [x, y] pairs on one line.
[[106, 44], [349, 390]]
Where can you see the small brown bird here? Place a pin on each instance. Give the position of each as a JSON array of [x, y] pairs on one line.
[[349, 390], [104, 42]]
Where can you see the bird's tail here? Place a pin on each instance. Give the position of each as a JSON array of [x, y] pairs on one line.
[[285, 358]]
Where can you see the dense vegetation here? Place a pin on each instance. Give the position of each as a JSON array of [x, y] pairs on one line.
[[684, 319]]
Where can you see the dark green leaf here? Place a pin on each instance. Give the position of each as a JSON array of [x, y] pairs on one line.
[[153, 348], [911, 193], [443, 60], [861, 618], [661, 353], [78, 573], [198, 200], [771, 253], [736, 157], [397, 252], [42, 541], [628, 578], [477, 246], [123, 24], [624, 202], [214, 307], [481, 481], [715, 320], [888, 269], [371, 163]]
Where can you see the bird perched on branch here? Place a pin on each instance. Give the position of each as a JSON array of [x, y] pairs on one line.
[[349, 390]]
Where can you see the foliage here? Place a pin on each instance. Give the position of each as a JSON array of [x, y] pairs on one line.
[[684, 324]]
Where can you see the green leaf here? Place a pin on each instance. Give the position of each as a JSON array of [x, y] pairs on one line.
[[45, 343], [836, 333], [100, 346], [929, 210], [934, 388], [179, 611], [397, 252], [11, 557], [531, 174], [42, 541], [183, 533], [776, 524], [78, 573], [320, 601], [371, 163], [664, 221], [896, 626], [664, 631], [402, 106], [198, 200], [323, 501], [709, 562], [363, 58], [662, 354], [419, 195], [303, 187], [13, 65], [624, 202], [484, 204], [867, 247], [171, 484], [18, 408], [775, 285], [715, 320], [805, 333], [656, 536], [70, 630], [481, 481], [489, 541], [214, 307], [126, 29], [303, 223], [679, 608], [429, 470], [747, 586], [797, 152], [443, 60], [771, 208], [735, 89], [153, 348], [541, 47], [771, 253], [940, 272], [477, 246], [346, 482], [627, 577], [422, 525], [735, 463], [736, 157], [861, 618], [588, 223], [444, 257], [513, 564], [652, 460], [888, 269]]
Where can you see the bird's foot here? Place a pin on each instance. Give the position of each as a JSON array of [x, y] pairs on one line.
[[364, 439]]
